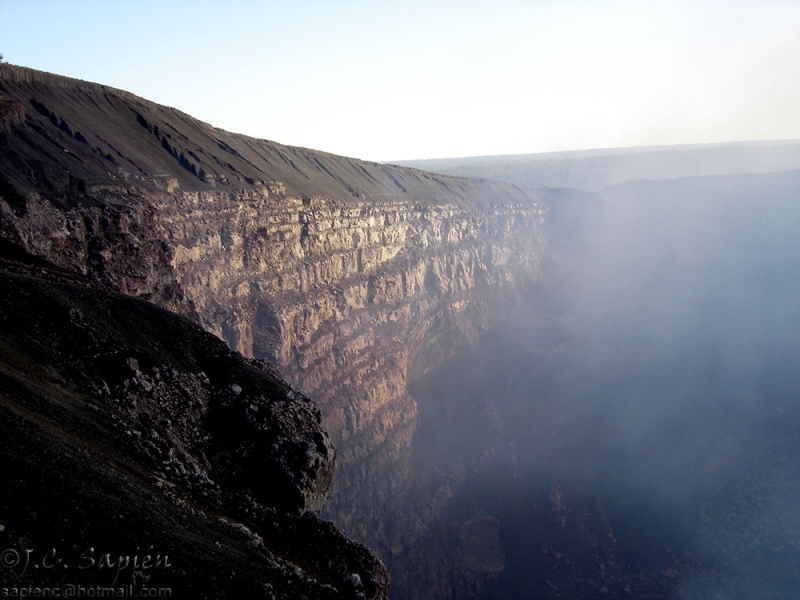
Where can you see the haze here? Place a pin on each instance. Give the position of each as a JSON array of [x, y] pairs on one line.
[[647, 397], [402, 80]]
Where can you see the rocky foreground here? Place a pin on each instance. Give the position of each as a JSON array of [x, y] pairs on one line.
[[129, 432]]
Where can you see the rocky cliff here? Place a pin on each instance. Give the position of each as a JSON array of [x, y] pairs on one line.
[[353, 278], [138, 450]]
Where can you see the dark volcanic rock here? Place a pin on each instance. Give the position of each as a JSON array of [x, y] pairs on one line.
[[130, 431]]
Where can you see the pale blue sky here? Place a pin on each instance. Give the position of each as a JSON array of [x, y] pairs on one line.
[[400, 80]]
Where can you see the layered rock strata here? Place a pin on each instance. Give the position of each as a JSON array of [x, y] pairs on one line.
[[366, 297]]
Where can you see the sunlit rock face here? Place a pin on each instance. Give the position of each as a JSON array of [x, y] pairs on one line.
[[364, 298]]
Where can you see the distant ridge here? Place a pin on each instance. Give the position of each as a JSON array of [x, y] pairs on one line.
[[598, 168]]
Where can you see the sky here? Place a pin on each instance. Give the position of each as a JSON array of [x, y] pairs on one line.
[[390, 80]]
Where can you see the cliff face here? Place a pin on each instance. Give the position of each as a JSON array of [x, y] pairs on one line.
[[366, 298], [354, 278]]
